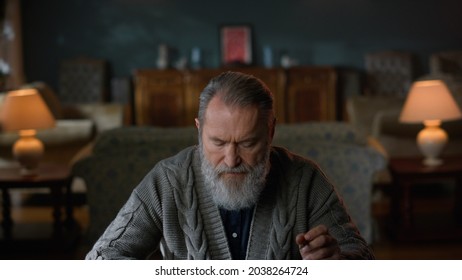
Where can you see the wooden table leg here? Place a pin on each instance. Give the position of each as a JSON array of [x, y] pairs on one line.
[[395, 203], [401, 207], [407, 205], [56, 193], [69, 206], [458, 200], [7, 222]]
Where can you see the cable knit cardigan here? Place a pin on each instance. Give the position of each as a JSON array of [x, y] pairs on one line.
[[172, 207]]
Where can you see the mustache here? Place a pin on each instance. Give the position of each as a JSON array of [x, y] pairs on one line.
[[243, 168]]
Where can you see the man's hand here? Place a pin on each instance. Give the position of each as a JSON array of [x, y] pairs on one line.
[[318, 244]]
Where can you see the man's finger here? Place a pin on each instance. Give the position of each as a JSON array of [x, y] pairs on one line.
[[316, 231]]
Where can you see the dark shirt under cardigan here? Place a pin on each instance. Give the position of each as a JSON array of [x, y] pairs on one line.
[[237, 227]]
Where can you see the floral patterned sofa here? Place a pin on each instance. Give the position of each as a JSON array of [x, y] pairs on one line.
[[122, 156]]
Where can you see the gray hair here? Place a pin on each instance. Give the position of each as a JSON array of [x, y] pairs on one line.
[[238, 89]]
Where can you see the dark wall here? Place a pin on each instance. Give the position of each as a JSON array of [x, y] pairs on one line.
[[314, 32]]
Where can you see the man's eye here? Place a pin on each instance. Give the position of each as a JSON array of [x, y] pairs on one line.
[[218, 143], [248, 144]]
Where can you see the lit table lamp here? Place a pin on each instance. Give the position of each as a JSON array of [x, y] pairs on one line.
[[25, 111], [430, 102]]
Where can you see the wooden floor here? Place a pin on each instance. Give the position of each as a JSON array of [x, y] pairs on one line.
[[436, 235], [36, 221], [442, 245]]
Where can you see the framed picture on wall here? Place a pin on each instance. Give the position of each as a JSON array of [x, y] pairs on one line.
[[236, 44]]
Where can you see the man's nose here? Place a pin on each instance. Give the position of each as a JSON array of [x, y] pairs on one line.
[[232, 158]]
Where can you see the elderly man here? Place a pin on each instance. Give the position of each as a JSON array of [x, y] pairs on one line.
[[233, 196]]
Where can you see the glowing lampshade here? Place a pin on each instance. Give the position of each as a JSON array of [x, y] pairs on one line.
[[430, 102]]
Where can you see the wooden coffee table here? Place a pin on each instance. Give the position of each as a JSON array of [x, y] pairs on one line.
[[407, 174], [55, 177]]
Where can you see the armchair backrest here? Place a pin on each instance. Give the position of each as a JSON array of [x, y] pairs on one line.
[[389, 73], [83, 80]]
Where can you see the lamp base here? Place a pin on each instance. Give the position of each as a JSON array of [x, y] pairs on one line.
[[28, 150], [432, 161], [431, 141]]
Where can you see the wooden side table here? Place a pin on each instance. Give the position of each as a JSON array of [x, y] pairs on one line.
[[53, 176], [407, 173]]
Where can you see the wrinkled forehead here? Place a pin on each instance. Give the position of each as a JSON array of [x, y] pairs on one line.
[[222, 101], [233, 118]]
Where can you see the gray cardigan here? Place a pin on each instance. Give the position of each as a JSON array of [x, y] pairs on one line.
[[171, 207]]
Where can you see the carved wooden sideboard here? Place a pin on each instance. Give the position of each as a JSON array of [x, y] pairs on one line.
[[171, 97]]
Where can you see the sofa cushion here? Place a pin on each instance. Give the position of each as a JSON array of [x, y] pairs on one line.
[[106, 116], [386, 122], [362, 110], [65, 131]]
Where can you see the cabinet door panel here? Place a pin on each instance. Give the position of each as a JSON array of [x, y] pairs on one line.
[[195, 84], [311, 94], [301, 106], [159, 98], [275, 80]]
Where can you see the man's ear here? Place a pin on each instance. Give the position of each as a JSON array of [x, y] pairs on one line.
[[196, 120], [272, 129]]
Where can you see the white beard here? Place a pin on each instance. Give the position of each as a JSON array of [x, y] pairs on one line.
[[235, 194]]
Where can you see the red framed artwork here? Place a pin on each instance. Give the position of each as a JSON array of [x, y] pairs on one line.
[[236, 44]]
